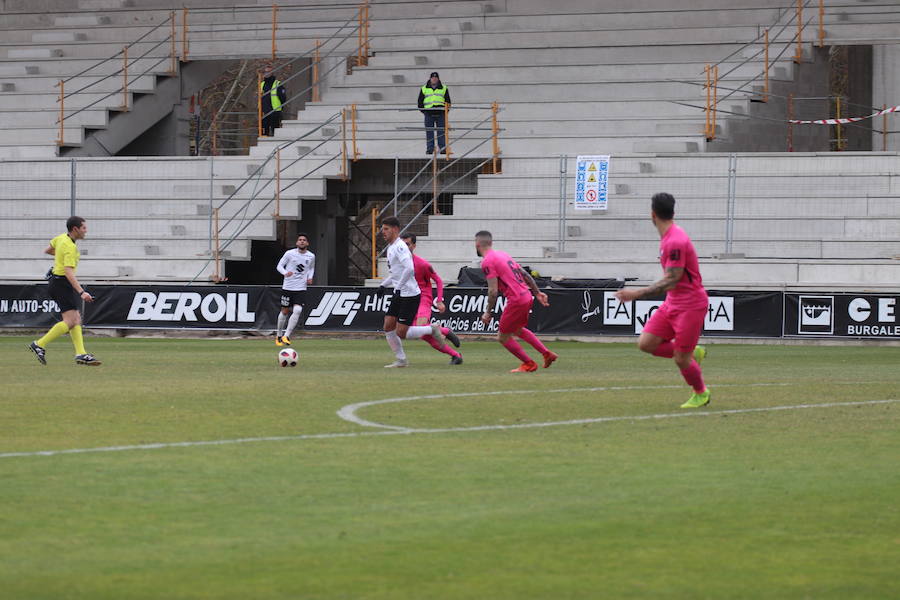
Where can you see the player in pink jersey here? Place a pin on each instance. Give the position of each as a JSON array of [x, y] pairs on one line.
[[504, 275], [674, 328], [425, 274]]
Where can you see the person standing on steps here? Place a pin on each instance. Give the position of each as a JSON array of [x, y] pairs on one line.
[[433, 97], [272, 96]]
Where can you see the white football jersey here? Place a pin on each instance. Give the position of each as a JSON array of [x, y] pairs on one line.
[[402, 273], [302, 265]]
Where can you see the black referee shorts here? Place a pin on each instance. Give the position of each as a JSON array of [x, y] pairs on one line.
[[404, 308], [63, 293]]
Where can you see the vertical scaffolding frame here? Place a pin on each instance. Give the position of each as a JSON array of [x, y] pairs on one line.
[[184, 35], [125, 79], [62, 112], [274, 28]]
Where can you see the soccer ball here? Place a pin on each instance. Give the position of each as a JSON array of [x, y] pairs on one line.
[[287, 357]]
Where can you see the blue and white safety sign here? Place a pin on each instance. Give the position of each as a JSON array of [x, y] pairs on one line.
[[592, 182]]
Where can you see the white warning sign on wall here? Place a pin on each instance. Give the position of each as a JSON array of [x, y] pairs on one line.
[[592, 182]]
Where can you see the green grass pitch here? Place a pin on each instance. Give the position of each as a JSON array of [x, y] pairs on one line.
[[747, 502]]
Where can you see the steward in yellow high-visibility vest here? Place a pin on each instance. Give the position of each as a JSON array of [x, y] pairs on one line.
[[272, 97], [434, 98]]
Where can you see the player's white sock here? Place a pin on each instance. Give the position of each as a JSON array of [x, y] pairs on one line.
[[396, 344], [415, 332], [292, 322], [282, 319]]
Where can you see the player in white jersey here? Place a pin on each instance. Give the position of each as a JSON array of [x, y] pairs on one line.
[[405, 303], [298, 266]]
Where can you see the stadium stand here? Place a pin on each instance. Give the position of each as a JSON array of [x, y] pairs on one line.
[[572, 77]]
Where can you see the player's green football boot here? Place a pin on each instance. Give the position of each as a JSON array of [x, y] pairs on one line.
[[697, 400], [699, 354]]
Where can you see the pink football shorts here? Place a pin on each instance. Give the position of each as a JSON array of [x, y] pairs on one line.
[[423, 315], [682, 326], [515, 316]]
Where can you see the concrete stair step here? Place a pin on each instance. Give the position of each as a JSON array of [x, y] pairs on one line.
[[33, 53]]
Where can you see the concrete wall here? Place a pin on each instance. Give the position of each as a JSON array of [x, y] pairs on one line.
[[886, 90]]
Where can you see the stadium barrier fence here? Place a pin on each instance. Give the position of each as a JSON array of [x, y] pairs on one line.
[[572, 311]]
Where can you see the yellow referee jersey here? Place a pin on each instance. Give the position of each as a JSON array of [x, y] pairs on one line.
[[67, 254]]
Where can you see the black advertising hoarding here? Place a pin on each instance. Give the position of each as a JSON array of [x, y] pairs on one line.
[[243, 308], [150, 306], [27, 306], [730, 314], [816, 314], [182, 307]]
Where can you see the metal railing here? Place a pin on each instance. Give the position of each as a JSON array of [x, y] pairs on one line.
[[262, 190], [333, 46], [144, 50], [711, 71]]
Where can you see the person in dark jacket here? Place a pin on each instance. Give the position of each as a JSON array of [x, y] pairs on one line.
[[272, 98], [433, 96]]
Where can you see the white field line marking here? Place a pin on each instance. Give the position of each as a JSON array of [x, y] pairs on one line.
[[325, 436], [348, 413]]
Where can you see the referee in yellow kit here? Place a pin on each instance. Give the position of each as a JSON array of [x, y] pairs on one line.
[[68, 293]]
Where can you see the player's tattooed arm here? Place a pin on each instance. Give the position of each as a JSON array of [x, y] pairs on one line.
[[671, 278], [669, 281], [493, 292], [532, 285]]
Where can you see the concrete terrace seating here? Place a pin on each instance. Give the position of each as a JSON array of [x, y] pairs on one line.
[[801, 219], [573, 76], [147, 219], [569, 75], [40, 48]]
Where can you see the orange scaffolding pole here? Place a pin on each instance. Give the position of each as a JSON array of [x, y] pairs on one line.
[[173, 67], [359, 37], [798, 56], [495, 141], [366, 30], [62, 111], [125, 80], [274, 26], [184, 35], [715, 104], [362, 35], [315, 74]]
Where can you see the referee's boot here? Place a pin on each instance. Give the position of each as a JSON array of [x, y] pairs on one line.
[[39, 352], [87, 359]]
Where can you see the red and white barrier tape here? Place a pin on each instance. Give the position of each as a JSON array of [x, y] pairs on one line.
[[847, 120]]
